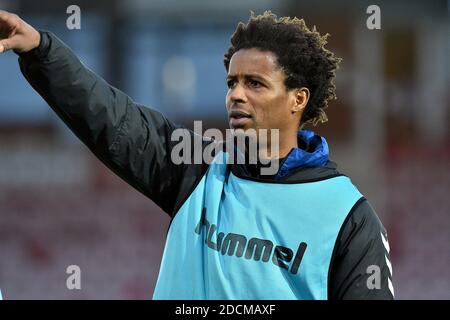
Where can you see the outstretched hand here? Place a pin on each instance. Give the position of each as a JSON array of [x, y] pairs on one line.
[[16, 34]]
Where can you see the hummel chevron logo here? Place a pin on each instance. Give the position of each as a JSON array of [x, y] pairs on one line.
[[385, 242], [388, 262]]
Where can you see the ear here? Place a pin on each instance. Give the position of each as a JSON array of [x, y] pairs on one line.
[[301, 99]]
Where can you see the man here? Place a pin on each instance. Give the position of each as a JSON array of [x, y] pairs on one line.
[[304, 232]]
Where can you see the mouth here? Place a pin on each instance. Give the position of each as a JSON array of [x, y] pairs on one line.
[[239, 119]]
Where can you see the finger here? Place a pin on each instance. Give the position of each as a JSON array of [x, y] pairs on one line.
[[7, 21], [6, 16]]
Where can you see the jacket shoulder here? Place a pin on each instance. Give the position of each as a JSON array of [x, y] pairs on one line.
[[360, 267]]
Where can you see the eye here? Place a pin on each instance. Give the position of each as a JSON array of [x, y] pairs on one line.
[[230, 83], [254, 83]]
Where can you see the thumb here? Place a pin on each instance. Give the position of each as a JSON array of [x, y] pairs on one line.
[[4, 45], [7, 44]]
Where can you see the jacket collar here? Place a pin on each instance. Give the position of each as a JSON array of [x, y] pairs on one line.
[[312, 151], [308, 162]]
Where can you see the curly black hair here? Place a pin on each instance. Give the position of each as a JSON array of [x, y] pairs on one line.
[[300, 53]]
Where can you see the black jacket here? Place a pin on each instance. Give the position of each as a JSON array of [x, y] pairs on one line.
[[134, 142]]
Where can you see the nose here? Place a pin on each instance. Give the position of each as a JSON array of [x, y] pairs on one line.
[[237, 94]]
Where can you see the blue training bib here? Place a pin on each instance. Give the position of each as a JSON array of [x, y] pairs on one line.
[[235, 238]]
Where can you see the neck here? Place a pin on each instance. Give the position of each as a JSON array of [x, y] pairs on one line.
[[273, 145], [269, 149]]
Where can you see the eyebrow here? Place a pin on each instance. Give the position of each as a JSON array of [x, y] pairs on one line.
[[248, 76]]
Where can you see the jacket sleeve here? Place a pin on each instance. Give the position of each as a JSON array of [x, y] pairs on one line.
[[361, 267], [130, 139]]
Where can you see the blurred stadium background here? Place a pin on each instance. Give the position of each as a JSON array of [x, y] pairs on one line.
[[388, 131]]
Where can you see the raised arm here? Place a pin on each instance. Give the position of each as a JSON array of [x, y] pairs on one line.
[[132, 140]]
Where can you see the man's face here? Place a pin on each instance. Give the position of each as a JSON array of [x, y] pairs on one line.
[[257, 97]]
